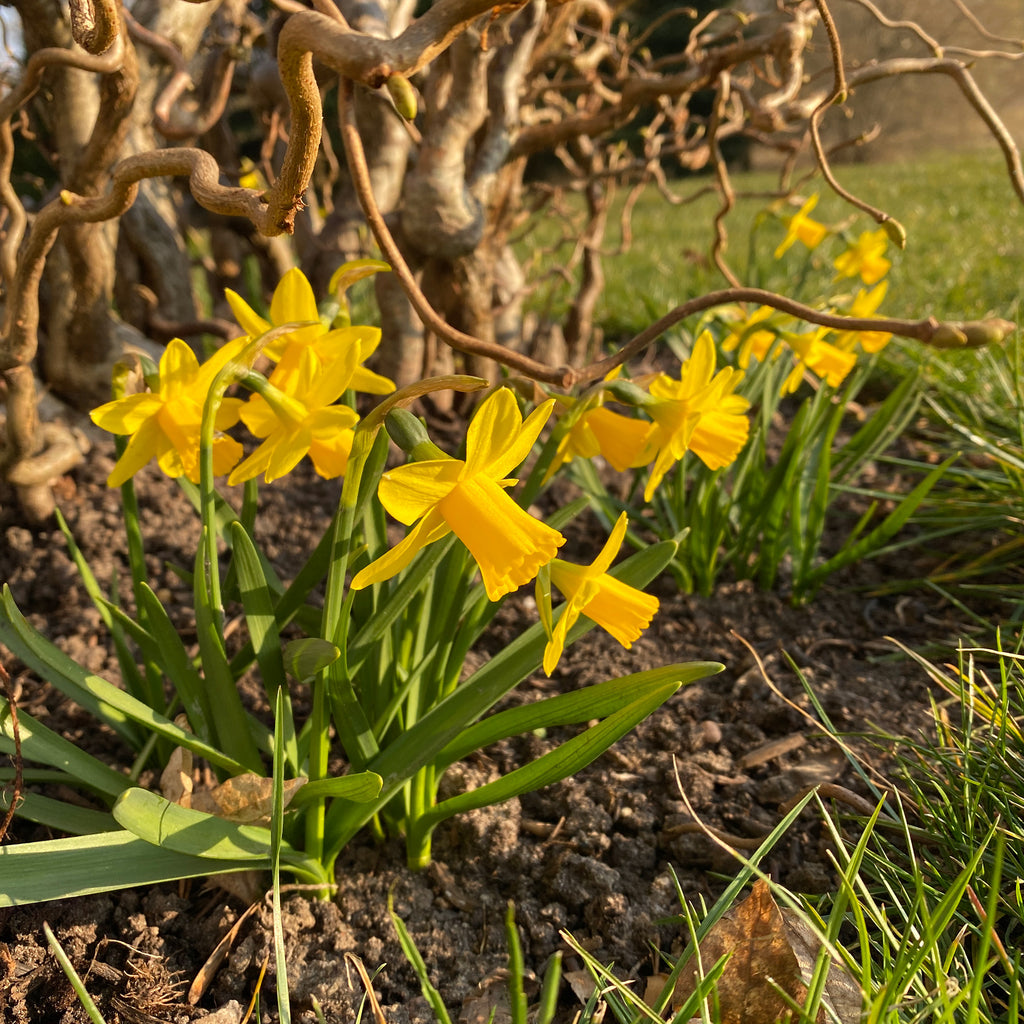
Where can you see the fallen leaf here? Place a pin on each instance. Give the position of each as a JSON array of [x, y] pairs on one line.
[[842, 991], [176, 778], [488, 1002], [247, 798], [769, 950]]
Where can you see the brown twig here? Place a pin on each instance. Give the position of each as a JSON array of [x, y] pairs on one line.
[[838, 95], [456, 339], [181, 81], [967, 85], [94, 24], [974, 20], [22, 314], [721, 241], [929, 331]]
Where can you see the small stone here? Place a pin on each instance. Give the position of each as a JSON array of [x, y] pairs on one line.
[[710, 733]]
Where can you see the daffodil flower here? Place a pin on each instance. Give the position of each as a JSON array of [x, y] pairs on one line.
[[821, 357], [750, 340], [303, 422], [698, 413], [621, 610], [599, 431], [865, 304], [865, 258], [293, 301], [800, 228], [446, 495], [164, 424]]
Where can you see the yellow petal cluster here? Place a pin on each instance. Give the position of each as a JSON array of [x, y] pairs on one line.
[[469, 498], [165, 424], [293, 302], [623, 611], [700, 412], [865, 258], [800, 228]]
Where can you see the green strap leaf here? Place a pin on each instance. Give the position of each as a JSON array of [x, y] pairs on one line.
[[158, 821], [258, 604], [884, 531], [62, 868], [557, 764], [419, 746], [360, 787], [57, 814], [596, 701], [177, 665], [95, 694], [308, 656], [44, 746]]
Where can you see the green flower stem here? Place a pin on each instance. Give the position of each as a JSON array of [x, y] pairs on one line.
[[233, 725], [354, 730], [419, 745]]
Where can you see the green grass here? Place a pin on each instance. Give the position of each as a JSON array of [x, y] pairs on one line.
[[963, 260]]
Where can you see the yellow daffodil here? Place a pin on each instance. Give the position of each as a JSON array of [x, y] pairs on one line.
[[599, 431], [468, 498], [616, 607], [821, 357], [748, 339], [800, 228], [698, 413], [293, 301], [865, 304], [303, 422], [164, 424], [865, 258]]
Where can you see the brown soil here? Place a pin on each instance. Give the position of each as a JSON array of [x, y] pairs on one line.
[[592, 855]]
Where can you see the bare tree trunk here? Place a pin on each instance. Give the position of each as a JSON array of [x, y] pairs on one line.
[[152, 259]]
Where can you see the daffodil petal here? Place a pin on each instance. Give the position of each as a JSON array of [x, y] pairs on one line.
[[330, 457], [371, 383], [508, 544], [556, 644], [178, 367], [126, 415], [496, 423], [430, 528], [255, 464], [145, 444], [604, 560], [247, 318], [258, 416], [226, 452], [623, 440], [621, 610], [293, 299], [288, 447], [409, 491]]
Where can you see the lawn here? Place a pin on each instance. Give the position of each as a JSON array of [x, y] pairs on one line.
[[963, 260]]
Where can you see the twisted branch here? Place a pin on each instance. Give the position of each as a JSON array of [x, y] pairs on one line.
[[94, 24], [928, 331]]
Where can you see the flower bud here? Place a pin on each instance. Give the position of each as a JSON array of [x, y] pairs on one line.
[[896, 232], [628, 393], [971, 333], [410, 434], [403, 95]]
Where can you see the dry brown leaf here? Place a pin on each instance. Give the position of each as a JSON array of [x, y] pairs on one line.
[[176, 778], [842, 992], [488, 1002], [582, 984], [247, 799], [768, 949]]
